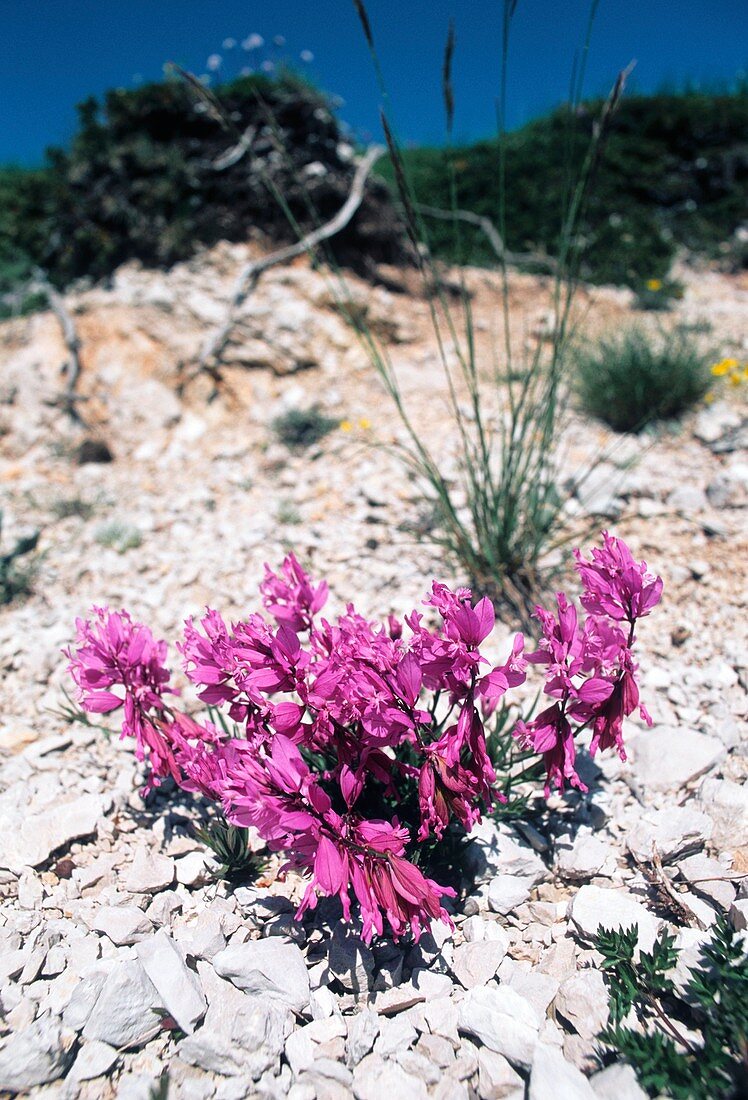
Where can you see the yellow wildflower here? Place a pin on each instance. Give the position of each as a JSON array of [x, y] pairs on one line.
[[725, 366], [654, 285], [708, 398], [364, 423], [346, 426]]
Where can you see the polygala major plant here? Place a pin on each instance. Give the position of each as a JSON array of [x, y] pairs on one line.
[[359, 745]]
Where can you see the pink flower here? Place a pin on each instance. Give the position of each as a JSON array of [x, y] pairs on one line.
[[337, 722], [615, 584], [291, 598], [112, 651], [551, 735]]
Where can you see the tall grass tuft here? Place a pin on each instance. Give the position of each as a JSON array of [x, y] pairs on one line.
[[635, 377], [504, 509]]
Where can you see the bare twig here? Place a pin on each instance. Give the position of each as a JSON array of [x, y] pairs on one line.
[[492, 234], [668, 895], [249, 276], [233, 155], [69, 399]]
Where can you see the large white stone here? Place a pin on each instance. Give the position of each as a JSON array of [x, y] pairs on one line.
[[727, 805], [31, 840], [583, 1001], [507, 892], [593, 908], [617, 1082], [268, 968], [240, 1035], [553, 1078], [123, 924], [496, 1078], [476, 963], [149, 872], [178, 987], [672, 831], [93, 1060], [124, 1014], [377, 1079], [665, 758], [34, 1055], [503, 1021]]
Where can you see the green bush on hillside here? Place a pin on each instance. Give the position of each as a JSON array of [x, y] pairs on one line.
[[632, 378], [674, 173], [140, 182]]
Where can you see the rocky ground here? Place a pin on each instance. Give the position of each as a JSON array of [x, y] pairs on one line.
[[122, 956]]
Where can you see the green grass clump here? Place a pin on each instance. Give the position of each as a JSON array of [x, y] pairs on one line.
[[119, 536], [300, 428], [230, 845], [632, 378], [17, 568], [692, 1042]]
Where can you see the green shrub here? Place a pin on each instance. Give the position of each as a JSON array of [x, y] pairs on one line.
[[674, 174], [633, 377], [17, 568], [692, 1043], [119, 536], [140, 181], [300, 428]]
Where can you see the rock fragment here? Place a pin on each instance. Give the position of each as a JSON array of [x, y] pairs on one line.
[[178, 986], [503, 1021], [125, 1012], [267, 968], [594, 907]]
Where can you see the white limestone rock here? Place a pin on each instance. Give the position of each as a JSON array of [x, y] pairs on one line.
[[552, 1076], [673, 831], [666, 758], [727, 805], [617, 1082], [268, 968], [594, 907], [476, 963], [583, 1000], [709, 878], [149, 873], [30, 841], [35, 1055], [377, 1079], [178, 987], [496, 1078], [503, 1021], [123, 924], [507, 892], [93, 1060], [125, 1012]]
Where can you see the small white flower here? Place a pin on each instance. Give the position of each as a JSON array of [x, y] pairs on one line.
[[307, 56], [267, 66], [253, 42], [279, 40], [228, 44], [214, 62]]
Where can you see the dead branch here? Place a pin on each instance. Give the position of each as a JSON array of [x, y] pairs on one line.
[[249, 276], [233, 155], [667, 895], [492, 234], [69, 399]]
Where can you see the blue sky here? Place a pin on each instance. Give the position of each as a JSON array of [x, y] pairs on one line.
[[53, 53]]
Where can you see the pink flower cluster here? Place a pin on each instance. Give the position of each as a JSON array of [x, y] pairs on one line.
[[590, 669], [341, 723]]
